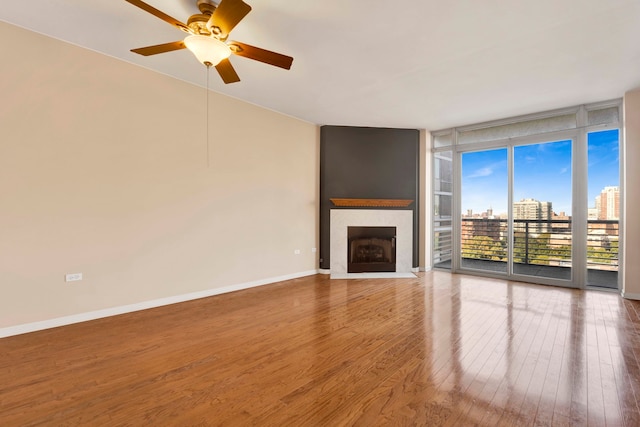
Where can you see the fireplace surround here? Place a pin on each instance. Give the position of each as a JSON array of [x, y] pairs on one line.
[[342, 219]]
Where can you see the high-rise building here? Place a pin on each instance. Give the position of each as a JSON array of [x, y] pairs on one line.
[[534, 210], [608, 203], [490, 212]]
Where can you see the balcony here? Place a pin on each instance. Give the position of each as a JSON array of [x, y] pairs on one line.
[[541, 248]]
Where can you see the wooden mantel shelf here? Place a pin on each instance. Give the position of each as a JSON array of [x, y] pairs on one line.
[[373, 203]]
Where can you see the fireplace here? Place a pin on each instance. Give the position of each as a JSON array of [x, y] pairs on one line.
[[371, 249], [399, 219]]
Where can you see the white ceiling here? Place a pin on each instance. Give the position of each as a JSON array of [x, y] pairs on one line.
[[428, 64]]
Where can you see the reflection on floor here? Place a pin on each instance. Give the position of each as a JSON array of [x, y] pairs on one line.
[[436, 349], [597, 278]]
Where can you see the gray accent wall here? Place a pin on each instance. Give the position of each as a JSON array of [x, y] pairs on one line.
[[367, 163]]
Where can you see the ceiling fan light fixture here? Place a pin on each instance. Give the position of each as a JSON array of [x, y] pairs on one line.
[[208, 50]]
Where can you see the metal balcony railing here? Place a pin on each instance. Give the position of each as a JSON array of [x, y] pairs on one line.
[[539, 242]]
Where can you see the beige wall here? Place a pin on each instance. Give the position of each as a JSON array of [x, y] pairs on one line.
[[103, 171], [631, 184]]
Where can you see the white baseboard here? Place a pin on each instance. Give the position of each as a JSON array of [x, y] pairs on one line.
[[324, 271], [425, 269], [628, 295], [114, 311]]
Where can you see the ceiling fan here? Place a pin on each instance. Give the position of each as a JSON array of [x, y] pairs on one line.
[[208, 33]]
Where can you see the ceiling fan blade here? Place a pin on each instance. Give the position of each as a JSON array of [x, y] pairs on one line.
[[227, 72], [262, 55], [159, 48], [159, 14], [226, 17]]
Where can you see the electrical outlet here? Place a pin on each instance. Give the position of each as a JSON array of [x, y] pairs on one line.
[[314, 250], [73, 277], [297, 252]]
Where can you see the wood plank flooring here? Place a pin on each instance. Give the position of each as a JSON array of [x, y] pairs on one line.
[[440, 349]]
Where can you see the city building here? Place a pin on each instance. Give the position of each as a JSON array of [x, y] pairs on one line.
[[608, 203], [538, 215], [489, 227]]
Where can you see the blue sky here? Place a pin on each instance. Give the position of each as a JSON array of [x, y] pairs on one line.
[[604, 162], [541, 171]]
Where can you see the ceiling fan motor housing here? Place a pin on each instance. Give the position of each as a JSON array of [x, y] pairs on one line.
[[207, 6], [198, 24]]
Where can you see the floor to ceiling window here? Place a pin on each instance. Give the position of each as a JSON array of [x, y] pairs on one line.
[[483, 226], [442, 208], [604, 208], [542, 214], [534, 198]]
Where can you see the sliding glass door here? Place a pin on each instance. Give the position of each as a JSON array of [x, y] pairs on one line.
[[516, 211], [542, 210], [483, 226]]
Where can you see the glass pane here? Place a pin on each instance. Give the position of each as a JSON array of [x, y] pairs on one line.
[[443, 174], [442, 248], [603, 116], [442, 208], [604, 209], [530, 127], [483, 232], [542, 210], [442, 140]]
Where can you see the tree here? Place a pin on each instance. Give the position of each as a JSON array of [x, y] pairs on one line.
[[483, 247], [535, 249]]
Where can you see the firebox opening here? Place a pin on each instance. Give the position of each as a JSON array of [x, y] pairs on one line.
[[371, 249]]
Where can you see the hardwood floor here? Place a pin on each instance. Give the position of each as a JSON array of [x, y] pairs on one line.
[[441, 349]]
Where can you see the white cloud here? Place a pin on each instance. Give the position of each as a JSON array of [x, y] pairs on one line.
[[482, 172]]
